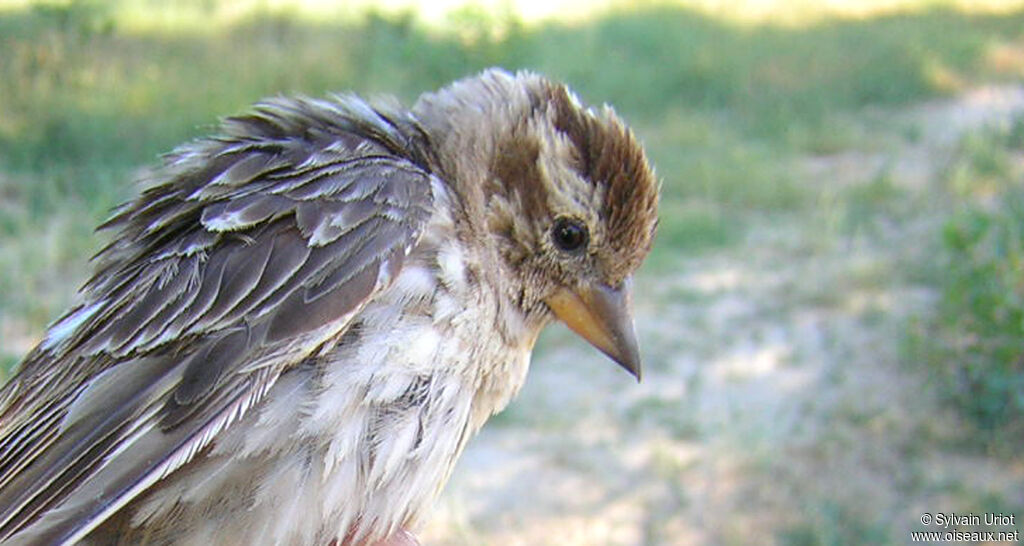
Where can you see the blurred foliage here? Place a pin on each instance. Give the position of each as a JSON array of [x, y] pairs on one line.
[[984, 309], [828, 523], [79, 91], [85, 99], [974, 345]]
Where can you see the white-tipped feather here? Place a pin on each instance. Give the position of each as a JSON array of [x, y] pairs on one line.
[[64, 328]]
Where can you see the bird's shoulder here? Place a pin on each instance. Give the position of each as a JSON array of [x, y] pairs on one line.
[[246, 252]]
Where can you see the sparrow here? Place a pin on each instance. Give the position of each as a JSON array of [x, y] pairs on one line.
[[302, 320]]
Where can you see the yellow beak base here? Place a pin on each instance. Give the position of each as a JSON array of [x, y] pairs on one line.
[[601, 315]]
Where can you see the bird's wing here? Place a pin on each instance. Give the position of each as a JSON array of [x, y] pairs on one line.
[[257, 249]]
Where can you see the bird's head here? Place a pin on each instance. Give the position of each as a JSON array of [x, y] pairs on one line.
[[567, 194]]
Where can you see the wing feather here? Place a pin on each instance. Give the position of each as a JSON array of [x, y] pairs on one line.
[[251, 251], [242, 273]]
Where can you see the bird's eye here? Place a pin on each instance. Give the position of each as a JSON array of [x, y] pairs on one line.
[[569, 235]]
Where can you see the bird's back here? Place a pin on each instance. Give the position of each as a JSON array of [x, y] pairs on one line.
[[249, 253]]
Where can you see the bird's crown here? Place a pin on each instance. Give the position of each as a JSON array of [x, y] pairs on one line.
[[543, 147]]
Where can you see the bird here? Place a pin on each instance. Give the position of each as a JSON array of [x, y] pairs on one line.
[[300, 321]]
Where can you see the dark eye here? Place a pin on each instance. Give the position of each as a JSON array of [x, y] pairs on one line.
[[569, 235]]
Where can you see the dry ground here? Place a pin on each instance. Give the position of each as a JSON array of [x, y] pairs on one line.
[[777, 407]]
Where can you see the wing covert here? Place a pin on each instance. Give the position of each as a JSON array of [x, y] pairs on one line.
[[256, 248]]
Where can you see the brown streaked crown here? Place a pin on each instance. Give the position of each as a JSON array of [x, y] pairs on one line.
[[610, 155], [500, 135]]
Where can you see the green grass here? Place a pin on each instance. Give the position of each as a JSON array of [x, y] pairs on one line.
[[86, 99], [866, 204], [828, 523], [76, 87], [972, 346], [982, 317]]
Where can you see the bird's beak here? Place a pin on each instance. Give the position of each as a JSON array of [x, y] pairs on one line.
[[602, 315]]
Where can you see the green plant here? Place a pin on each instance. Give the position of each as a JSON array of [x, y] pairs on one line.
[[982, 311]]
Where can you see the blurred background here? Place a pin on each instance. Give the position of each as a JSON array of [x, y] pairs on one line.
[[832, 319]]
